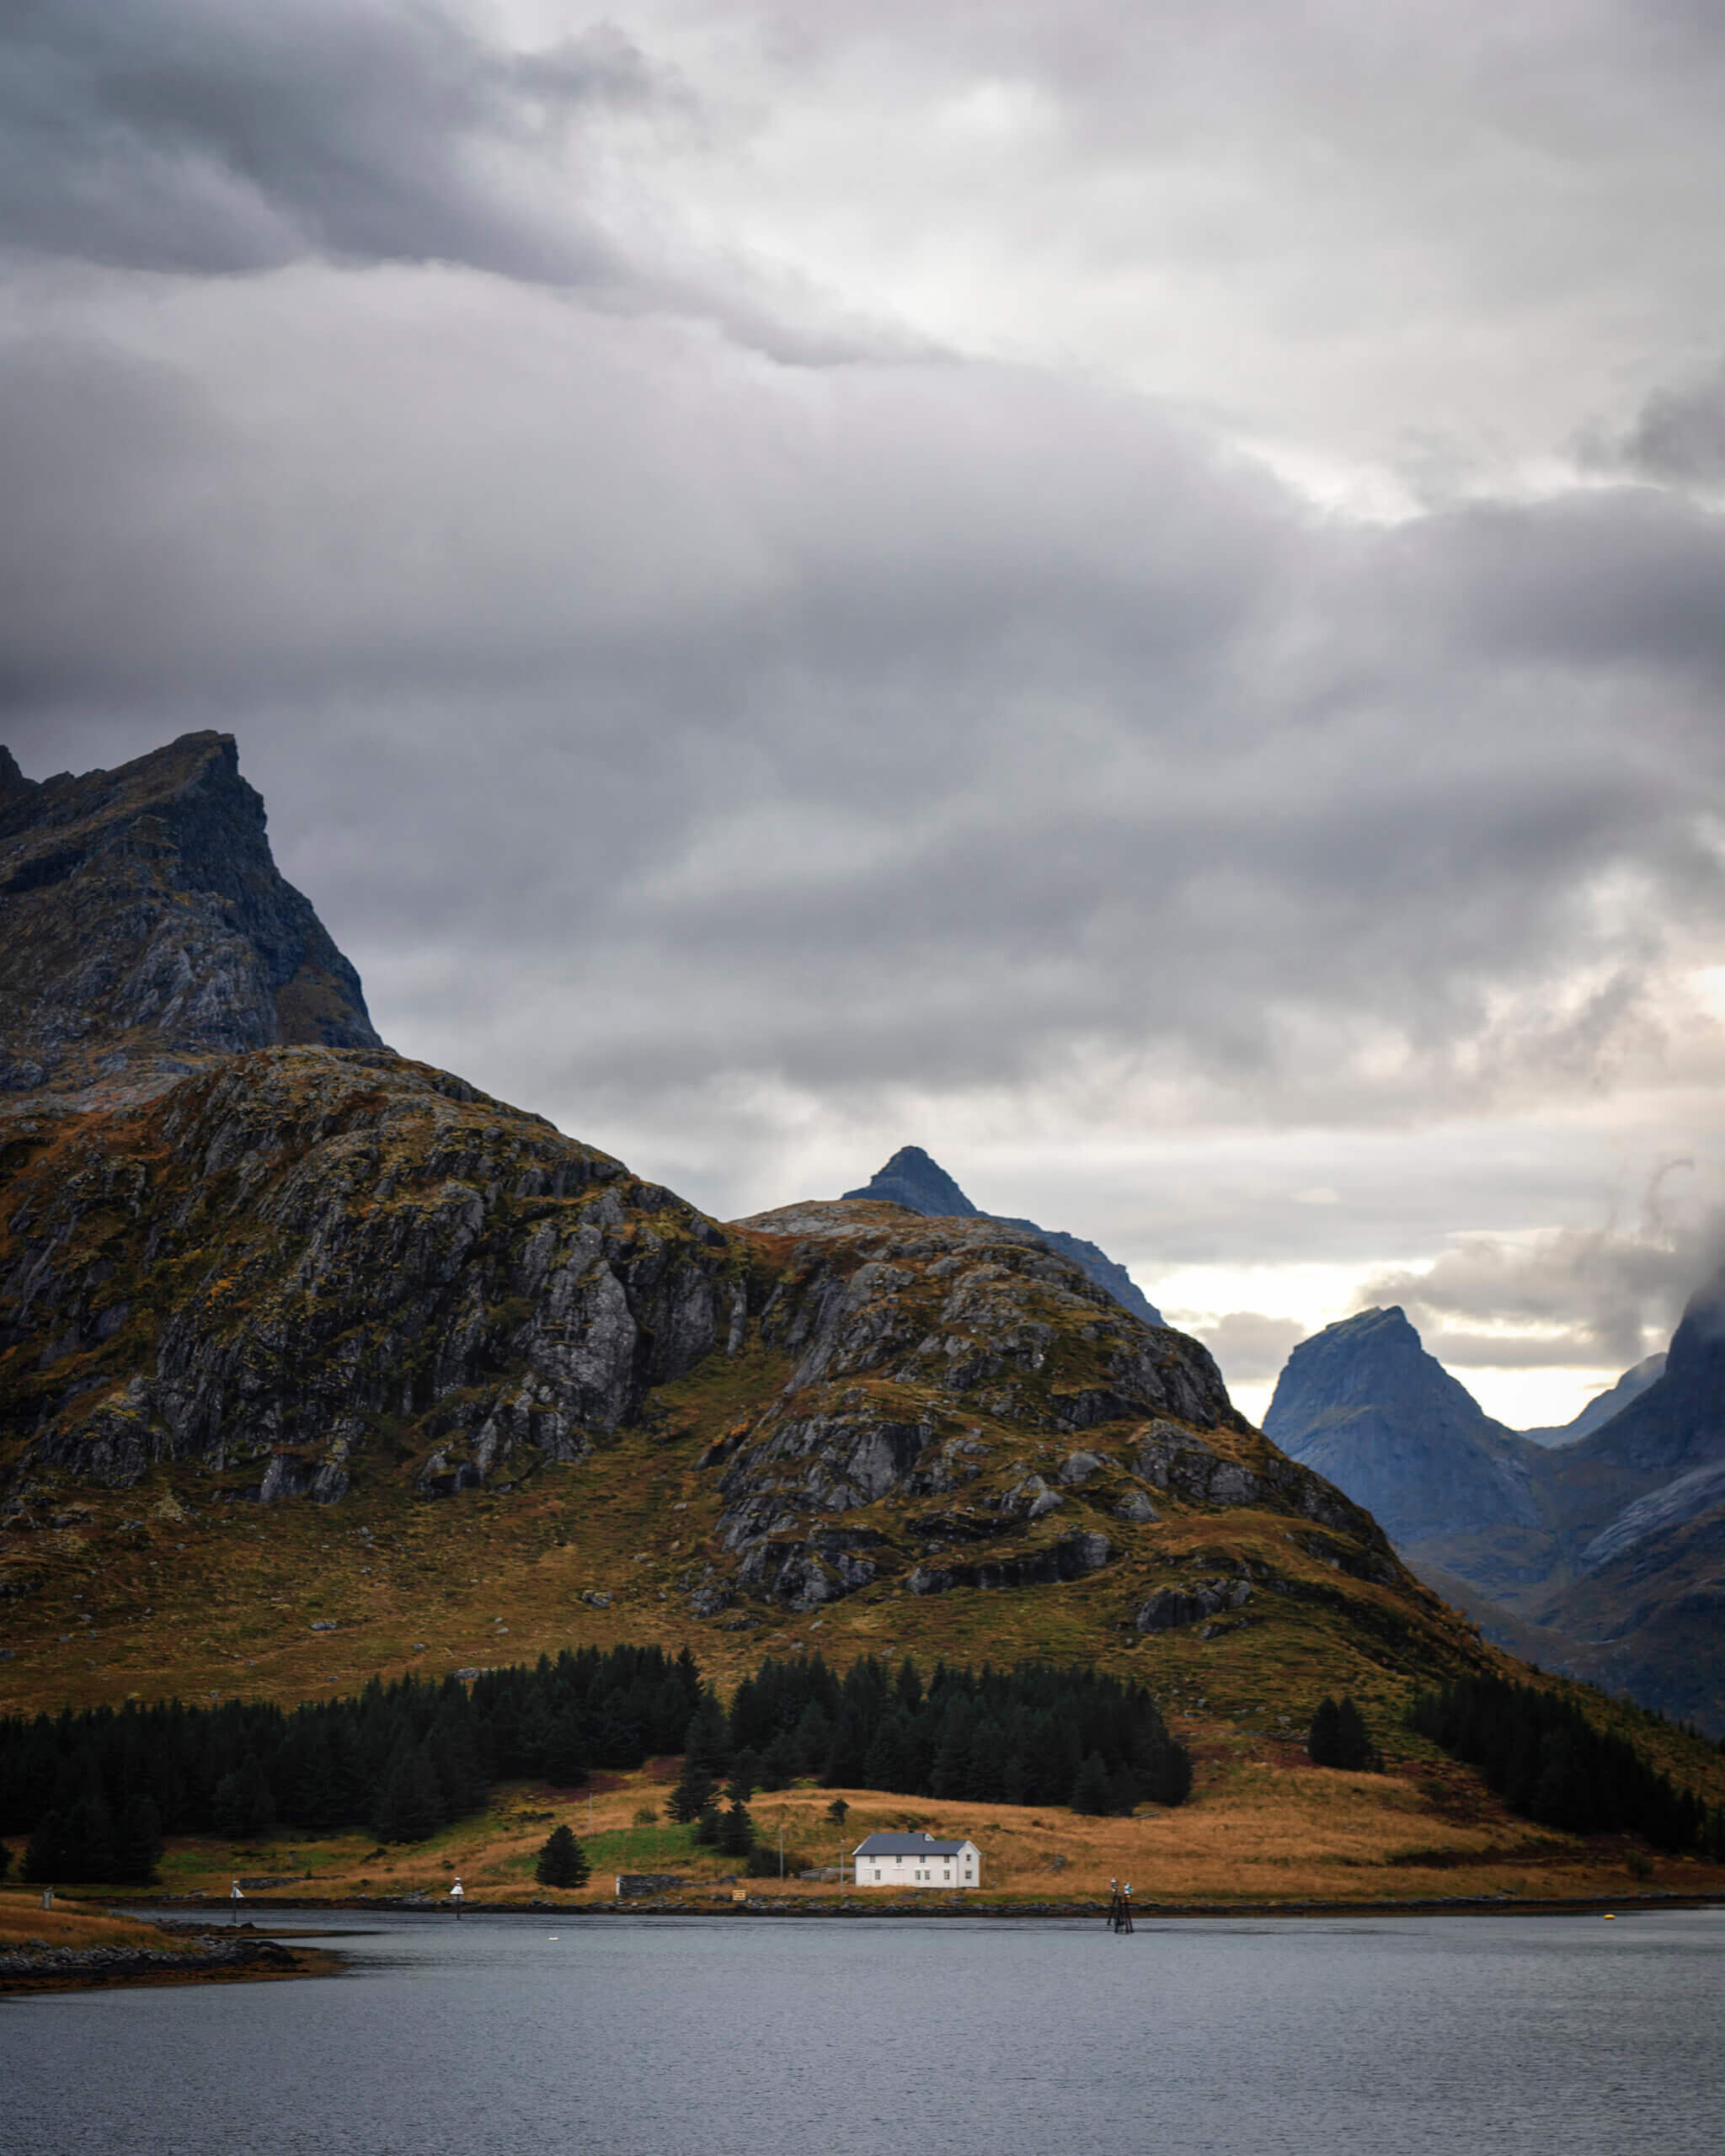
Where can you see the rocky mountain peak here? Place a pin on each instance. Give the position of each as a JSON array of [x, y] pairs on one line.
[[145, 929], [914, 1180], [1365, 1403]]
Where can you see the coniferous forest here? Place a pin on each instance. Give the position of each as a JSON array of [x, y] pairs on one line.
[[1540, 1755], [96, 1791]]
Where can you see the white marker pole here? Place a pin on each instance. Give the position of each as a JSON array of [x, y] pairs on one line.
[[457, 1896], [235, 1897]]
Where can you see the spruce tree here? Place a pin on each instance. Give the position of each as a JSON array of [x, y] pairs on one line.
[[566, 1752], [243, 1804], [778, 1763], [562, 1862], [137, 1843], [692, 1793], [1355, 1749], [45, 1863], [5, 1863], [736, 1832], [1324, 1738], [409, 1803], [745, 1777], [1090, 1791]]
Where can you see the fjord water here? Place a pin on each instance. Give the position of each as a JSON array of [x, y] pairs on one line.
[[642, 2036]]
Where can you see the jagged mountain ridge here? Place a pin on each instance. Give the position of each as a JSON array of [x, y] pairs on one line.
[[306, 1266], [1602, 1406], [265, 1286], [1601, 1555], [145, 928], [915, 1181]]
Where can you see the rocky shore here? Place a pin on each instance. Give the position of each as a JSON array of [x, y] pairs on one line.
[[36, 1966]]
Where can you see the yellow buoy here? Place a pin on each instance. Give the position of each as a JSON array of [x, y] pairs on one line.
[[1610, 1916]]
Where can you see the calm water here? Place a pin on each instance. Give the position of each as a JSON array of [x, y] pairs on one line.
[[714, 2037]]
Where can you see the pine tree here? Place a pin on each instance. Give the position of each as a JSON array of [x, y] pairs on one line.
[[45, 1857], [89, 1840], [566, 1752], [778, 1763], [709, 1741], [745, 1777], [1324, 1738], [137, 1844], [736, 1832], [243, 1804], [692, 1793], [562, 1862], [1090, 1791], [5, 1863], [1354, 1745], [409, 1803], [708, 1826]]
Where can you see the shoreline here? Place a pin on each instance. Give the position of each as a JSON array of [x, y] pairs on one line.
[[257, 1959], [852, 1908]]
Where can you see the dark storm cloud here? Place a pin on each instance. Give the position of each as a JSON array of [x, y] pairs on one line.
[[218, 137], [1678, 435]]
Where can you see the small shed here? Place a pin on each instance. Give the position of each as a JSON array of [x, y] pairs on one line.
[[916, 1860]]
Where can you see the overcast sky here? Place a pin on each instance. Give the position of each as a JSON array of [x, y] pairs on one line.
[[1133, 594]]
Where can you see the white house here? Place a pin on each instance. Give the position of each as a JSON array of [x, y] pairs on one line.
[[916, 1860]]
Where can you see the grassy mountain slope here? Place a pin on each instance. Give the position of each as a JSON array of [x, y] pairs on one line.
[[325, 1338]]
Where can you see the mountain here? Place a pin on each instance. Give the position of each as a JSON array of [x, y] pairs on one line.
[[1605, 1557], [145, 928], [315, 1360], [1600, 1410], [912, 1179], [1364, 1404]]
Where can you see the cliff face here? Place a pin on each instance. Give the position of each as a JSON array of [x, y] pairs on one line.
[[912, 1179], [308, 1261], [144, 928]]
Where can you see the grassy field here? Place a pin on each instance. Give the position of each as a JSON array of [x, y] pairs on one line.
[[24, 1922], [1263, 1826]]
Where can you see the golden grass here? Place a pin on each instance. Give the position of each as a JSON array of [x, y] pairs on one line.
[[1258, 1830], [24, 1921]]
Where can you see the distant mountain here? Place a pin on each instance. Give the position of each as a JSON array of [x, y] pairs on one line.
[[145, 928], [1603, 1555], [1599, 1411], [1365, 1403], [912, 1179]]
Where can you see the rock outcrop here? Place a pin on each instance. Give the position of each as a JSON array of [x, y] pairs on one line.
[[145, 929], [920, 1185], [309, 1263]]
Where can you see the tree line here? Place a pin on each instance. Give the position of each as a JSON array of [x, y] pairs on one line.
[[1031, 1734], [96, 1791], [1539, 1752]]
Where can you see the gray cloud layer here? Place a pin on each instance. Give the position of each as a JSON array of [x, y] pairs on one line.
[[212, 137], [682, 737]]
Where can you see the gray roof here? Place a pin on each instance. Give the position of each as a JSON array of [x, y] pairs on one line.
[[907, 1845]]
